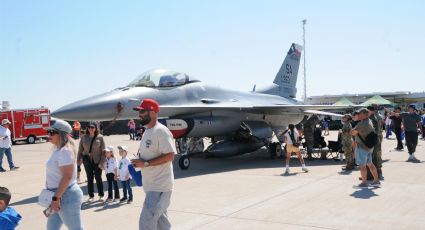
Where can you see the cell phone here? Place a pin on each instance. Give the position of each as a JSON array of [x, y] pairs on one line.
[[48, 211]]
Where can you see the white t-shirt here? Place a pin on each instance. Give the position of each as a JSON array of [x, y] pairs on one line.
[[157, 141], [59, 158], [5, 139], [110, 165], [388, 121], [123, 168], [288, 138]]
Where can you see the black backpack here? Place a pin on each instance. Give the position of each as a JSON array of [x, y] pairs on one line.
[[371, 139]]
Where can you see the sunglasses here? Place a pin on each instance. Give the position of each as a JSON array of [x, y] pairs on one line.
[[143, 111], [52, 132]]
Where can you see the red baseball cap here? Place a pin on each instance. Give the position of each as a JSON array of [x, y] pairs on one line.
[[148, 104]]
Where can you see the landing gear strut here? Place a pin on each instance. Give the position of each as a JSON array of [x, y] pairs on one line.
[[186, 147]]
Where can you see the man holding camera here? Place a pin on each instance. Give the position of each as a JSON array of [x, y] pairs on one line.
[[363, 152]]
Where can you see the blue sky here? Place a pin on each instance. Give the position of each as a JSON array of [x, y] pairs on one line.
[[56, 52]]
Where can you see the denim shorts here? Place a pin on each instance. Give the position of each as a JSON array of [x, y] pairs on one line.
[[363, 157]]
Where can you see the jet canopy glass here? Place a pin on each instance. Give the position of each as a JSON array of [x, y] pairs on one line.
[[161, 78]]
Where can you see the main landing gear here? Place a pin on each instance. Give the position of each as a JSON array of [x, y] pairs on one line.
[[186, 147]]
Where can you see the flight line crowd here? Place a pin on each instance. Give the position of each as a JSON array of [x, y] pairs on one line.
[[64, 196], [360, 139], [361, 134]]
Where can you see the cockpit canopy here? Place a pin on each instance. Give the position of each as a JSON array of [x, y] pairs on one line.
[[161, 78]]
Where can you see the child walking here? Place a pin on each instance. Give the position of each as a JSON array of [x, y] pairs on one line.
[[111, 169], [124, 175]]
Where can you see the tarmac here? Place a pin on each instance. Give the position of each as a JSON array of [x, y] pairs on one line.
[[246, 192]]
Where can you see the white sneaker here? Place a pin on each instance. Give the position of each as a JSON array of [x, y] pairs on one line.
[[305, 169], [286, 170]]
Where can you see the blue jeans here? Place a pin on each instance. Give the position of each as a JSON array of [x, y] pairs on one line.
[[132, 133], [154, 213], [8, 152], [388, 129], [70, 212], [126, 187]]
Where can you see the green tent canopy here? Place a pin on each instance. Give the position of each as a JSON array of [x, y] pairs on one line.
[[376, 100], [344, 102]]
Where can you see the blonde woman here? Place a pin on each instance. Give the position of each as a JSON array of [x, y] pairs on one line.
[[61, 178]]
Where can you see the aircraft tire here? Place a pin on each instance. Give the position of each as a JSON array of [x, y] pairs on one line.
[[184, 162], [278, 150]]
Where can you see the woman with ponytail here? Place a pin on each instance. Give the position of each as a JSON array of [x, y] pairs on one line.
[[292, 146]]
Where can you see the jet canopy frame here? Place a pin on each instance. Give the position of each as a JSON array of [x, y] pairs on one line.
[[160, 78]]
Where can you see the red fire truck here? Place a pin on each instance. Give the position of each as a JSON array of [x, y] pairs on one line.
[[27, 124]]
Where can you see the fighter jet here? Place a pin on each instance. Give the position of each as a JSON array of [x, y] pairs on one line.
[[236, 122]]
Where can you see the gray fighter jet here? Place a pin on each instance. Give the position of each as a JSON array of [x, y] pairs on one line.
[[236, 122]]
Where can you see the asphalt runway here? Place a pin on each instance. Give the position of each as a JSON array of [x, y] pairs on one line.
[[246, 192]]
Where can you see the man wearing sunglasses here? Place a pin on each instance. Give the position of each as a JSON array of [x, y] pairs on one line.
[[156, 154], [6, 145]]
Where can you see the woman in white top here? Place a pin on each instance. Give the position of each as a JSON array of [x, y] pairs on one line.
[[292, 146], [61, 178], [388, 122]]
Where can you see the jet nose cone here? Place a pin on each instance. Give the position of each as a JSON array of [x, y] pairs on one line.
[[98, 108]]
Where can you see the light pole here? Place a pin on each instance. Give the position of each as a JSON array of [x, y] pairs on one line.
[[305, 73]]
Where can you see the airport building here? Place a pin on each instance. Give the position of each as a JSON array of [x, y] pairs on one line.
[[401, 98]]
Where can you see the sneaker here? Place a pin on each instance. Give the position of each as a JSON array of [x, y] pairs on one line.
[[91, 199], [416, 160], [286, 170], [124, 199], [305, 169], [130, 201], [2, 170], [109, 200], [376, 183], [348, 167], [14, 168], [362, 185]]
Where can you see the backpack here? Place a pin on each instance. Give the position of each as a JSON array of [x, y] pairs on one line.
[[371, 139]]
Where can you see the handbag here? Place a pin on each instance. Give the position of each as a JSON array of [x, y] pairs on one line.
[[45, 198]]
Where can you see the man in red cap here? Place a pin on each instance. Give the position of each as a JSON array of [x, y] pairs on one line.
[[156, 154]]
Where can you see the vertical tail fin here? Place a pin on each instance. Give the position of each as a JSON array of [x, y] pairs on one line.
[[286, 79]]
